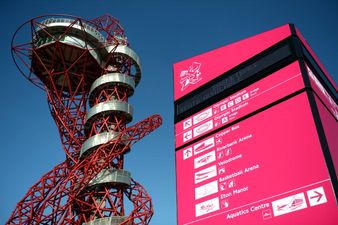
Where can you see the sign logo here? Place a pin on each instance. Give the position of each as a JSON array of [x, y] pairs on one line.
[[289, 204], [206, 207], [207, 189], [205, 159], [203, 115], [205, 174], [205, 145], [190, 76], [203, 128]]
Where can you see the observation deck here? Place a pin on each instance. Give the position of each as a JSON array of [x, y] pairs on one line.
[[68, 51]]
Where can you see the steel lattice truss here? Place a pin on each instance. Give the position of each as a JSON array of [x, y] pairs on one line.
[[88, 72]]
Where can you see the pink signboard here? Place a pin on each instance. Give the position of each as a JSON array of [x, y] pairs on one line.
[[268, 90], [319, 89], [307, 46], [266, 169], [330, 126], [197, 71], [328, 111]]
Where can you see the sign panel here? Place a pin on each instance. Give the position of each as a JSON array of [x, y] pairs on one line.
[[199, 70], [328, 111], [307, 46], [330, 126], [268, 90], [266, 169], [319, 89]]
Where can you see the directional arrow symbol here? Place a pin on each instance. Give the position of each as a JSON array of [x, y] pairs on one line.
[[187, 136], [187, 124], [187, 153], [318, 195]]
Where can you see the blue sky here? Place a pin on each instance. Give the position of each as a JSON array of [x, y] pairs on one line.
[[162, 33]]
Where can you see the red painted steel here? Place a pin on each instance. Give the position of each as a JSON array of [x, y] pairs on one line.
[[62, 195]]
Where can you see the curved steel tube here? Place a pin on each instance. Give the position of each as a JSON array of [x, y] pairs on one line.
[[125, 51], [114, 220], [111, 79], [112, 176], [102, 138], [109, 107], [97, 140]]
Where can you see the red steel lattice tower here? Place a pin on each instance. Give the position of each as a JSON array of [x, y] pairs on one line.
[[88, 71]]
